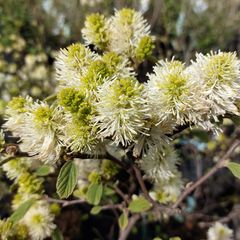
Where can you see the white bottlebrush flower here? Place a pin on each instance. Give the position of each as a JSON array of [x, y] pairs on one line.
[[120, 110], [39, 132], [156, 133], [71, 63], [77, 132], [106, 68], [95, 31], [21, 197], [39, 221], [15, 167], [118, 65], [86, 167], [127, 27], [168, 190], [15, 114], [172, 93], [159, 162], [219, 72], [219, 232], [78, 135]]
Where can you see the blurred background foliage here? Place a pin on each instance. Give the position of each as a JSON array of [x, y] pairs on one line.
[[31, 31]]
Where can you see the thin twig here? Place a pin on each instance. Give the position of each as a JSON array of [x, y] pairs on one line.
[[12, 157], [66, 203], [121, 193], [233, 214], [104, 156], [220, 164], [142, 184]]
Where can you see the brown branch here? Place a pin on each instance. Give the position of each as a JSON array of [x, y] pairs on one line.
[[125, 232], [121, 194], [220, 164], [232, 215], [104, 156], [14, 152], [12, 157], [142, 184], [66, 203]]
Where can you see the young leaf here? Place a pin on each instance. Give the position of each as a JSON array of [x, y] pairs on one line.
[[123, 220], [234, 168], [94, 193], [57, 235], [67, 179], [139, 204], [21, 211], [96, 210], [43, 171]]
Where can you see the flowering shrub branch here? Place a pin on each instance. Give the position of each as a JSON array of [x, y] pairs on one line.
[[108, 135]]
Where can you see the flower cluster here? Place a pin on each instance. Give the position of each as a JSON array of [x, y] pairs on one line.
[[37, 125], [37, 223], [220, 232], [101, 101], [126, 33]]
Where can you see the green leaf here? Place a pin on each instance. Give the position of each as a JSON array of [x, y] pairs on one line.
[[67, 179], [139, 204], [96, 210], [21, 211], [123, 220], [94, 193], [107, 191], [234, 168], [43, 171], [57, 235]]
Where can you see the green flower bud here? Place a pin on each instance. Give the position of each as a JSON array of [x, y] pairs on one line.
[[144, 48], [94, 177], [71, 99], [109, 169]]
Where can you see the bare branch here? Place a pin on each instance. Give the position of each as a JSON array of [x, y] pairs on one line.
[[220, 164], [66, 203]]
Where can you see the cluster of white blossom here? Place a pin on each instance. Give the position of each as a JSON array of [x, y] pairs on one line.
[[37, 223], [126, 33], [101, 99], [220, 232]]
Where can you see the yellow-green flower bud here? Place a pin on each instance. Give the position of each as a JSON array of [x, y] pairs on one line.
[[144, 48]]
